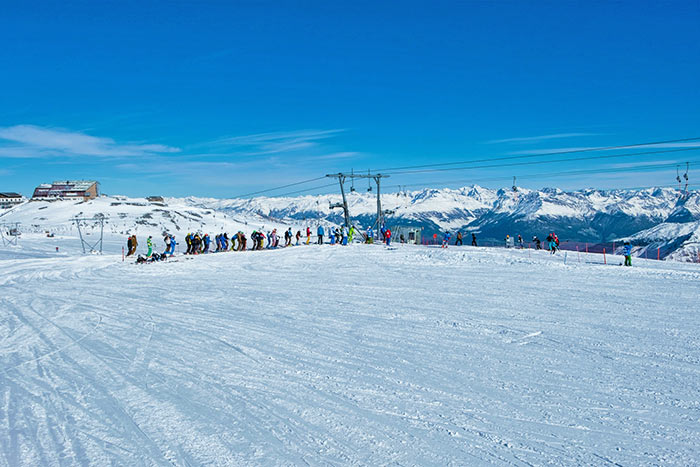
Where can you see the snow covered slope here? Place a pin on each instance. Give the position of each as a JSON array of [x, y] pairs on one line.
[[299, 357], [130, 216]]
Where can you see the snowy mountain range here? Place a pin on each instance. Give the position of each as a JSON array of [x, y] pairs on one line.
[[650, 218]]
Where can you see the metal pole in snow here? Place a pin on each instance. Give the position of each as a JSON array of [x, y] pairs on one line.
[[658, 253], [122, 254], [605, 261], [578, 253]]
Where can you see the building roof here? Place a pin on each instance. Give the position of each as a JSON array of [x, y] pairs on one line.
[[78, 185], [10, 195]]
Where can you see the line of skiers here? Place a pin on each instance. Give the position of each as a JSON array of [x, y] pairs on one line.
[[197, 243]]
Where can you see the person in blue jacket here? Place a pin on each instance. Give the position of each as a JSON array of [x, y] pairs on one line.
[[207, 242], [627, 249], [319, 233], [446, 240], [172, 245], [331, 236]]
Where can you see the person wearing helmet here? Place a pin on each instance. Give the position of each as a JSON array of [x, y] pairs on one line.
[[149, 244]]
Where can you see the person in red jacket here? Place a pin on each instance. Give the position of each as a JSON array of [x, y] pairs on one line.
[[388, 237]]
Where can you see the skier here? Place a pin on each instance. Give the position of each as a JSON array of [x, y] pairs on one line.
[[337, 236], [551, 244], [188, 242], [628, 254], [172, 245], [387, 235], [446, 240], [507, 241], [538, 242], [351, 233], [370, 235], [319, 233], [130, 245], [298, 237], [331, 236], [166, 239], [474, 239], [308, 234], [149, 244], [343, 235], [459, 239], [520, 241], [288, 237], [207, 242]]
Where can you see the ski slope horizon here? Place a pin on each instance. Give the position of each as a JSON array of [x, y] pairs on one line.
[[319, 355]]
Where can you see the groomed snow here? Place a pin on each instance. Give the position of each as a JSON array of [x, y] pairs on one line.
[[348, 355]]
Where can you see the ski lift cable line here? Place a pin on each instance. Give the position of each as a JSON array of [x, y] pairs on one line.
[[572, 159], [305, 190], [650, 167], [543, 154], [279, 187]]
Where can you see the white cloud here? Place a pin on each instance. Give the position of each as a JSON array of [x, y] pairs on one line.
[[35, 141], [535, 139], [276, 142]]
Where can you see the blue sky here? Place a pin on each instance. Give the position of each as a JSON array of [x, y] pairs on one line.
[[224, 98]]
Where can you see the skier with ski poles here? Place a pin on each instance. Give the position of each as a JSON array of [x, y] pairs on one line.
[[458, 241], [319, 233]]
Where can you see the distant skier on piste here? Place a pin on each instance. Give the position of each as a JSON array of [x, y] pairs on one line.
[[474, 240], [387, 235], [207, 241], [458, 241], [166, 239], [319, 234], [130, 245], [308, 234], [627, 250], [446, 240], [149, 244]]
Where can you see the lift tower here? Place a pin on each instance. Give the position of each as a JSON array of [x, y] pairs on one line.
[[341, 179]]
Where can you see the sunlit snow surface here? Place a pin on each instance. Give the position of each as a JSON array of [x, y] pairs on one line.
[[347, 355]]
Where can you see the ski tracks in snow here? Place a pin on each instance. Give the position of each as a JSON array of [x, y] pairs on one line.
[[357, 355]]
